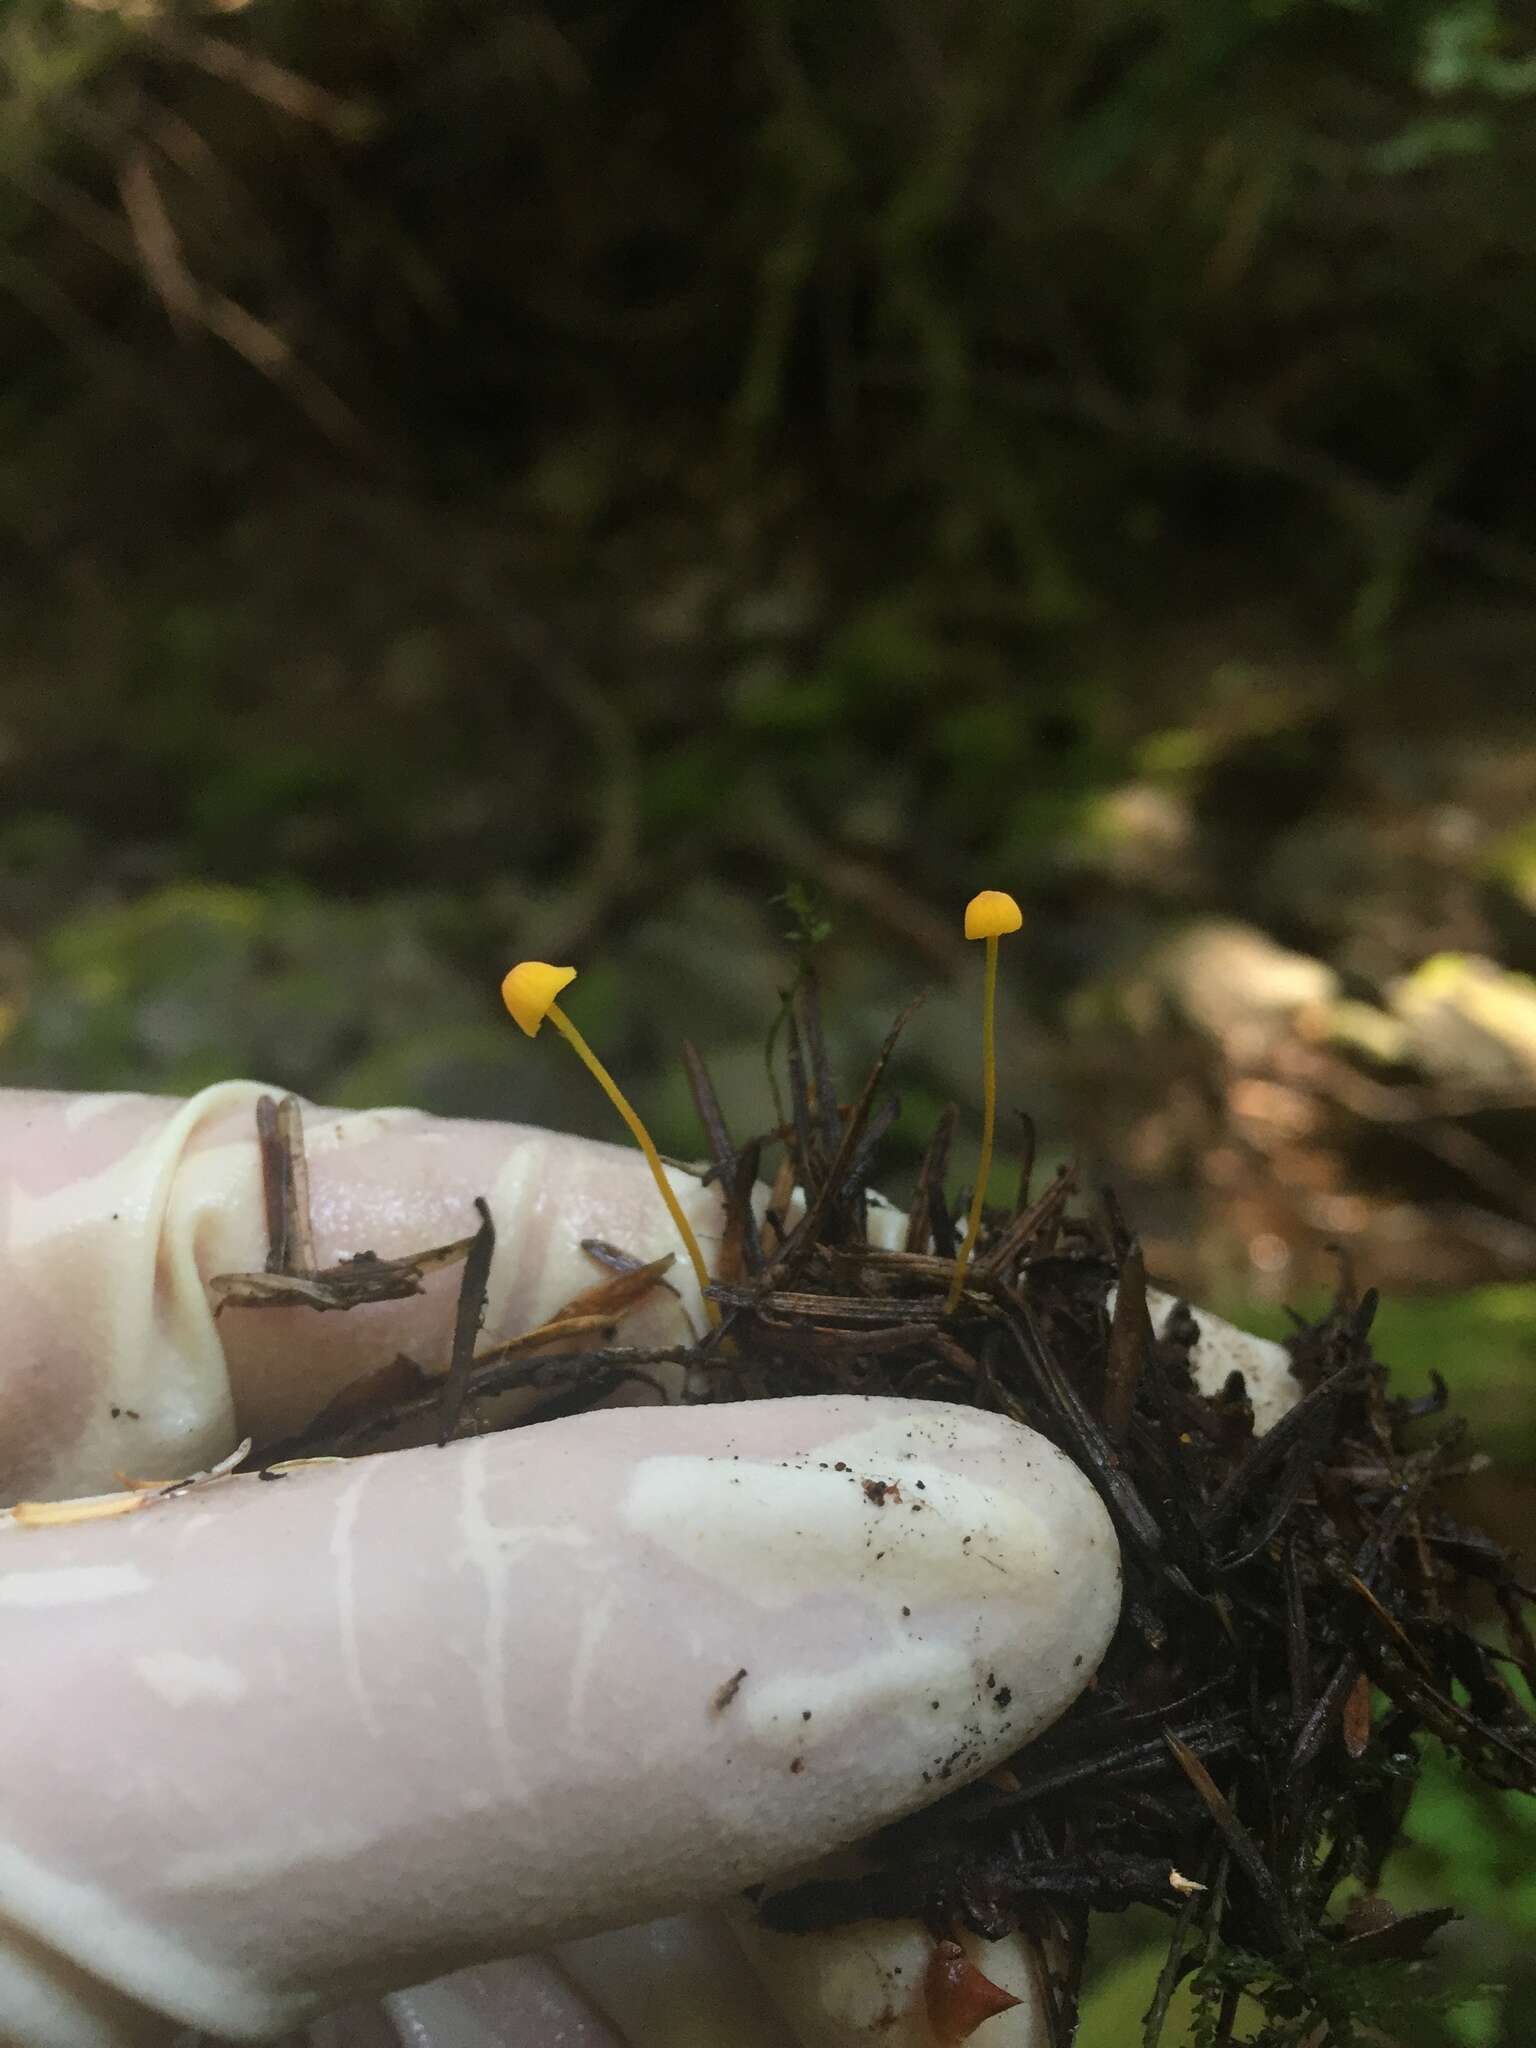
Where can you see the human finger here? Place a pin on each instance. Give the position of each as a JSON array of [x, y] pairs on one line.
[[284, 1744], [117, 1210]]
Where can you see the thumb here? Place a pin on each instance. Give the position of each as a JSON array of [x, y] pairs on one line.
[[278, 1745]]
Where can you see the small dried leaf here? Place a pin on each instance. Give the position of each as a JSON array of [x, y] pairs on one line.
[[620, 1291], [351, 1283], [1401, 1939], [382, 1387], [95, 1507], [959, 1998], [269, 1290], [103, 1507], [164, 1489], [1357, 1717]]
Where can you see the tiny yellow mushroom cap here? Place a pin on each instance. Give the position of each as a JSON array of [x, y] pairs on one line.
[[991, 914], [529, 990]]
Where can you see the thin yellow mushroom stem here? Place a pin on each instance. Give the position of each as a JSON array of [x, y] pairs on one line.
[[988, 1117], [642, 1138]]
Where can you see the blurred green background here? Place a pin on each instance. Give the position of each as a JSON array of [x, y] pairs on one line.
[[490, 479]]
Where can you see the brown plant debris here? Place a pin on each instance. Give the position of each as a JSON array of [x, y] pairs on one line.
[[1302, 1612], [958, 1996], [290, 1278]]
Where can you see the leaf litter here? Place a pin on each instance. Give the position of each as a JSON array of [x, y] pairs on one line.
[[1301, 1612]]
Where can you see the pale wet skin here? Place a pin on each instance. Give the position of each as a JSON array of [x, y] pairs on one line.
[[283, 1747]]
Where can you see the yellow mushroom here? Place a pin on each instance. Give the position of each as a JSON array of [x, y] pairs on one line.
[[987, 916], [530, 992]]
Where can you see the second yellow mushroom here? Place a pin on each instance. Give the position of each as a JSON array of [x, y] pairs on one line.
[[988, 916]]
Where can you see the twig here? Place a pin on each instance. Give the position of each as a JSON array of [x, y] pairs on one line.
[[468, 1317]]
